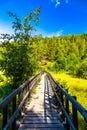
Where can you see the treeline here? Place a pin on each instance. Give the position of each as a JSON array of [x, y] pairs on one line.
[[67, 53]]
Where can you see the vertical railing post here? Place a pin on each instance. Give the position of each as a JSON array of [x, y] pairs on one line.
[[67, 109], [61, 96], [5, 116], [74, 115], [14, 108], [19, 101], [23, 95], [62, 100], [67, 104]]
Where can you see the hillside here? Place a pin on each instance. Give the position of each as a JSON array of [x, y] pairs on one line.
[[67, 53]]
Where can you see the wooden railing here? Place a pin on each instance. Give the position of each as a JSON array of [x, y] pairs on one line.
[[11, 106], [63, 100]]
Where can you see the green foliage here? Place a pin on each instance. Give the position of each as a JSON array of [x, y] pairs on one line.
[[61, 64], [65, 52], [19, 57], [82, 71], [72, 63]]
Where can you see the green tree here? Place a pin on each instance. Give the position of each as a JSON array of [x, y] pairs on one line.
[[72, 63], [82, 71], [19, 57]]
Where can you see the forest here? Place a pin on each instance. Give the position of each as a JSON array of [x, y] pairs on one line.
[[22, 55], [68, 53]]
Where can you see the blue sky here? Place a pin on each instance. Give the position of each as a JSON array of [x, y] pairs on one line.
[[58, 17]]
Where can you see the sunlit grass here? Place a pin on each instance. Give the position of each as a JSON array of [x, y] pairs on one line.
[[76, 86]]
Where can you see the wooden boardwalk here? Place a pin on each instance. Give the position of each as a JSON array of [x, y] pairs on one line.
[[40, 112]]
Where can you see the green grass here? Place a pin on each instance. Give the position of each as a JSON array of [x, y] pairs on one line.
[[5, 87], [76, 87]]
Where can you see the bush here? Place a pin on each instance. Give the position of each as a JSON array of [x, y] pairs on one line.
[[82, 71], [60, 64]]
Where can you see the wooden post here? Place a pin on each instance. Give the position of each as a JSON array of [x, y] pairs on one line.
[[14, 108], [19, 101], [67, 110], [62, 98], [5, 116], [75, 115]]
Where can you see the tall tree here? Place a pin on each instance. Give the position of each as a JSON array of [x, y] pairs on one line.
[[19, 60]]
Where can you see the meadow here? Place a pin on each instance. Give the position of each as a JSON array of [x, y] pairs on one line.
[[76, 86]]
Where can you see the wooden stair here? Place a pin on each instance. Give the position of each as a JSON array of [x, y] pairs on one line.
[[41, 113]]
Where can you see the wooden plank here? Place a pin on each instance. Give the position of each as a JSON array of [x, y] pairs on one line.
[[39, 121], [42, 115], [41, 129], [41, 126], [48, 111], [41, 118]]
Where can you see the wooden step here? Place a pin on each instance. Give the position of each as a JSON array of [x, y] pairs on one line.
[[41, 126], [40, 129], [39, 121], [41, 118]]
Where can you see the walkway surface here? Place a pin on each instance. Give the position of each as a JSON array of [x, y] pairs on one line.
[[41, 113]]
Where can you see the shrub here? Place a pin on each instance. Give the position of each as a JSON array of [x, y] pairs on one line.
[[82, 71]]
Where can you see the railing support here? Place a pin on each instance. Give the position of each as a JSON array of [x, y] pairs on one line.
[[61, 96], [14, 108], [5, 116], [62, 100], [67, 109], [75, 115]]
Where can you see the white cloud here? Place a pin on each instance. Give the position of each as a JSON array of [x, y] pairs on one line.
[[57, 3], [48, 34], [58, 33]]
